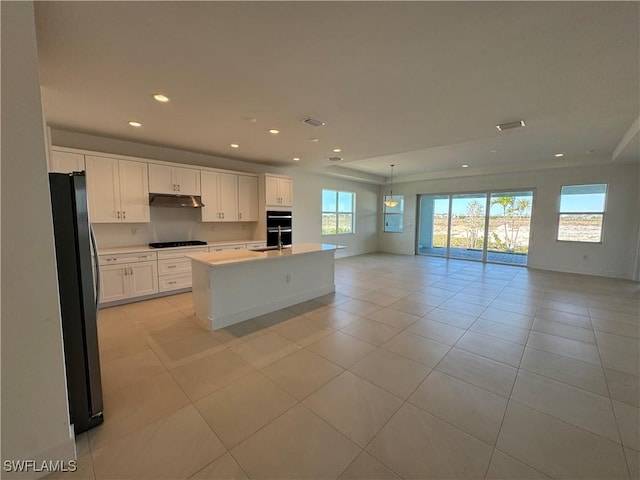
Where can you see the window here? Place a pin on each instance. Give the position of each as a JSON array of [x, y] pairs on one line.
[[393, 215], [338, 211], [581, 213]]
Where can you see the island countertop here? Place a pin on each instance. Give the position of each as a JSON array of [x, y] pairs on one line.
[[227, 257]]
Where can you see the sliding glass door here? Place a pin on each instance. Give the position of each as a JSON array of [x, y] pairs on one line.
[[486, 226]]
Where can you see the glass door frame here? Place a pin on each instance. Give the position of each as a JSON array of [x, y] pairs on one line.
[[489, 194]]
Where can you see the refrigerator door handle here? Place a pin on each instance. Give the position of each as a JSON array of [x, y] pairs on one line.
[[94, 246]]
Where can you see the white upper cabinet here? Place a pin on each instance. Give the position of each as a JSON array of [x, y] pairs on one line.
[[220, 196], [173, 180], [278, 191], [247, 198], [66, 162], [117, 190]]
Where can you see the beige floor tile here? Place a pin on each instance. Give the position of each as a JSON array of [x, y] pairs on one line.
[[628, 418], [296, 445], [623, 387], [510, 318], [175, 446], [471, 409], [393, 318], [483, 301], [358, 307], [417, 348], [159, 320], [305, 307], [247, 330], [557, 448], [455, 319], [133, 406], [501, 330], [578, 407], [371, 331], [620, 360], [397, 292], [182, 300], [482, 372], [332, 299], [633, 461], [265, 349], [564, 330], [82, 444], [224, 468], [379, 298], [365, 467], [426, 298], [170, 332], [408, 306], [301, 373], [353, 406], [341, 349], [465, 308], [242, 408], [564, 346], [120, 341], [504, 467], [418, 445], [564, 317], [147, 308], [618, 342], [391, 372], [491, 347], [439, 292], [185, 348], [519, 307], [610, 314], [564, 307], [333, 317], [616, 328], [440, 332], [127, 370], [210, 373], [566, 370], [303, 330]]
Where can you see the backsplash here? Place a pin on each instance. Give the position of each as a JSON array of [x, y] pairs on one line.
[[172, 224]]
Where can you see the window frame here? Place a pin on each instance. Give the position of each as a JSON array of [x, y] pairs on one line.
[[400, 214], [337, 212], [592, 213]]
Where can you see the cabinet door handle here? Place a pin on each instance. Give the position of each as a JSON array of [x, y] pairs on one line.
[[130, 270], [178, 187], [124, 215], [126, 271], [171, 266], [118, 213], [172, 283], [240, 215], [222, 214]]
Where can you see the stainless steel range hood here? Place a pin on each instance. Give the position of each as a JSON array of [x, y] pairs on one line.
[[175, 201]]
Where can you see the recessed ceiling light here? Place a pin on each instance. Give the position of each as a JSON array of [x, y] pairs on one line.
[[314, 140], [234, 145], [559, 155], [464, 165], [274, 131], [493, 150], [250, 119], [510, 125], [161, 98], [296, 159], [135, 124], [336, 150]]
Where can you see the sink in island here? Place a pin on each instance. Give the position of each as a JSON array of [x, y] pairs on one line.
[[236, 285]]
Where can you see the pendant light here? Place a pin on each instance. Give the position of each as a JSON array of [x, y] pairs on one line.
[[391, 202]]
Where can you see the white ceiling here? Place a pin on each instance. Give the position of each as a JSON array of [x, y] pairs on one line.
[[417, 84]]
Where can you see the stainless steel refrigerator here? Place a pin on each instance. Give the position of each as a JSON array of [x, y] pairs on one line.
[[79, 292]]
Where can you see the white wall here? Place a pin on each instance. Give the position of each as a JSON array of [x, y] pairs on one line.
[[35, 420], [184, 224], [614, 257]]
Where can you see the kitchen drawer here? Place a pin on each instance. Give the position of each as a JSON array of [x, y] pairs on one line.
[[220, 248], [180, 252], [174, 265], [121, 258], [256, 245], [174, 282]]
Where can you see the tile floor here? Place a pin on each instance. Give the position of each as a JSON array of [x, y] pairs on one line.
[[416, 368]]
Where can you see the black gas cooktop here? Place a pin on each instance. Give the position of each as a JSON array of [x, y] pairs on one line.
[[186, 243]]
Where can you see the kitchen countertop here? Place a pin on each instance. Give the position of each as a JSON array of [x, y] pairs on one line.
[[228, 257], [147, 248]]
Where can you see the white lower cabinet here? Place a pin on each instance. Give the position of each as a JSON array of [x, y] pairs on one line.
[[174, 269], [127, 275]]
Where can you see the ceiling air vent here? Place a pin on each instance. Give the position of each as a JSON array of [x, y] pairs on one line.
[[510, 125], [334, 159], [313, 122]]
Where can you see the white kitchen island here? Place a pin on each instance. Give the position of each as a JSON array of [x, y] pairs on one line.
[[233, 286]]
